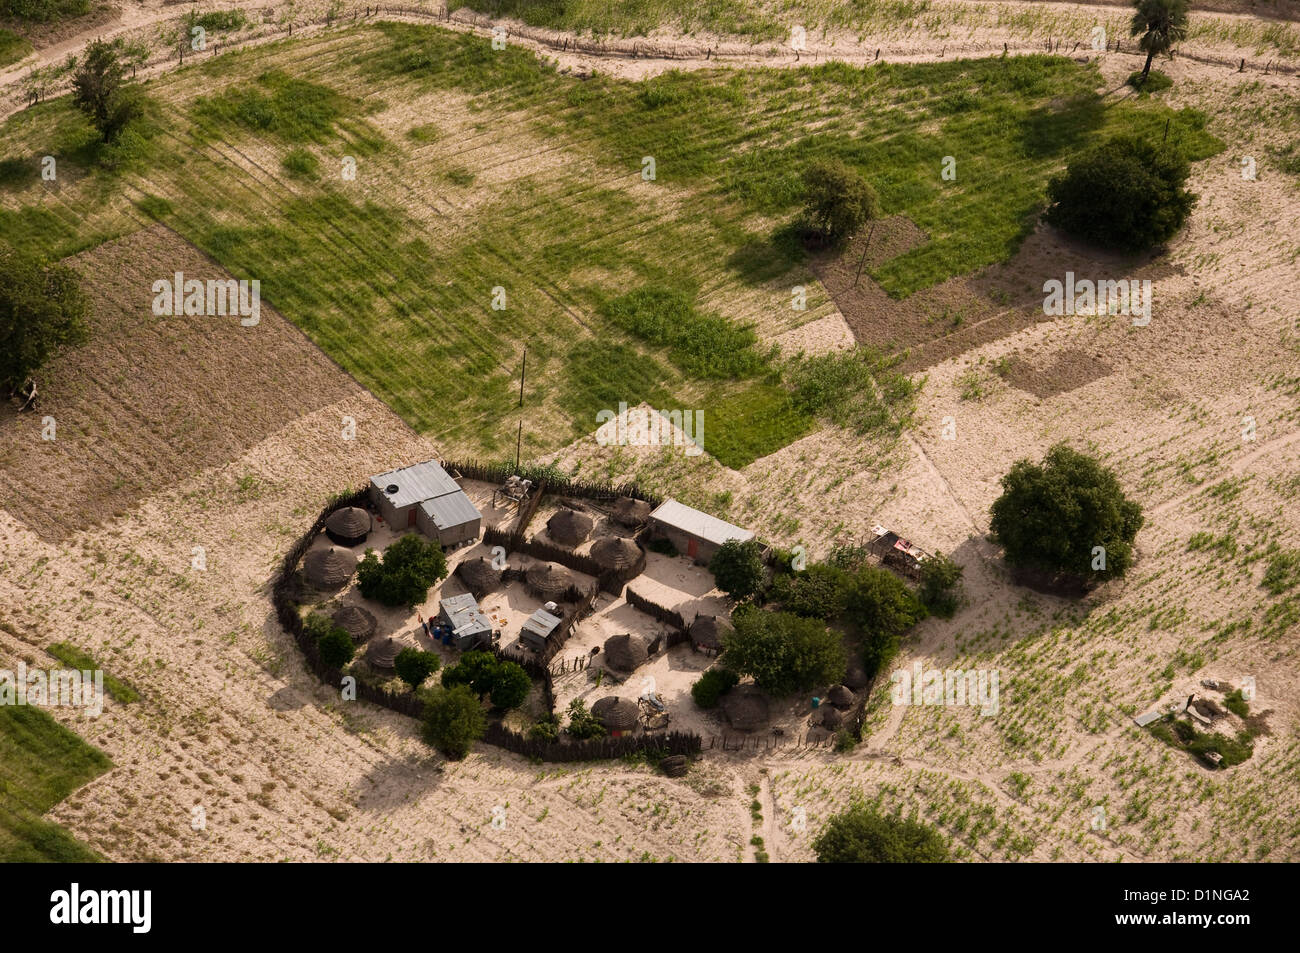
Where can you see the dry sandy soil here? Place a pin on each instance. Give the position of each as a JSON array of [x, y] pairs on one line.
[[230, 722]]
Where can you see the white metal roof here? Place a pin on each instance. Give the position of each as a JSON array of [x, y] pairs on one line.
[[416, 483], [702, 525], [541, 623], [450, 509]]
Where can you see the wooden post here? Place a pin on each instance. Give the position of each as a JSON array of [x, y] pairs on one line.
[[1166, 138], [523, 370], [862, 260], [518, 443]]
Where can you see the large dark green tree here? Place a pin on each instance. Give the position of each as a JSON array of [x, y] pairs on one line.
[[1127, 194], [861, 835], [738, 568], [453, 721], [409, 568], [883, 607], [838, 201], [1161, 24], [42, 308], [784, 653], [98, 90], [414, 665], [1053, 517]]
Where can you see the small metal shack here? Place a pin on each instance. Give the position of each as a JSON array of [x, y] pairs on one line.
[[537, 631], [469, 625]]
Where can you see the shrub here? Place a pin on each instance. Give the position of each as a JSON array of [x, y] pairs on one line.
[[940, 589], [300, 163], [453, 721], [883, 607], [477, 670], [860, 835], [582, 723], [1051, 516], [712, 685], [410, 567], [838, 201], [784, 653], [738, 568], [511, 686], [545, 729], [1126, 194], [42, 309], [336, 648], [414, 666], [818, 592]]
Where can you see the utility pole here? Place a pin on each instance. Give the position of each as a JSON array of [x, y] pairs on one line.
[[523, 370], [863, 259], [518, 443]]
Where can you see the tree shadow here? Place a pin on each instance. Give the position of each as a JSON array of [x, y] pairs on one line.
[[1057, 128]]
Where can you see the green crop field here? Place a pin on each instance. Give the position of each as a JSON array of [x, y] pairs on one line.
[[43, 763], [499, 204]]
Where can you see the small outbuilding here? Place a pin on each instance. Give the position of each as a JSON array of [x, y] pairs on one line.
[[399, 493], [695, 533], [840, 697], [479, 576], [348, 526], [746, 708], [618, 715], [451, 519], [630, 512], [469, 625], [830, 717], [549, 581], [615, 552], [382, 653], [538, 628], [706, 633], [624, 653], [569, 527], [329, 567], [356, 621]]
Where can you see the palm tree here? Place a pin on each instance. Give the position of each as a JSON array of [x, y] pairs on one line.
[[1162, 23]]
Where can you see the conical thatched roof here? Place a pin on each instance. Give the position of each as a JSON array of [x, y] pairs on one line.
[[382, 653], [856, 678], [615, 552], [329, 568], [616, 714], [479, 576], [630, 512], [840, 697], [548, 580], [359, 623], [348, 526], [746, 708], [569, 527], [831, 717], [707, 630], [625, 652]]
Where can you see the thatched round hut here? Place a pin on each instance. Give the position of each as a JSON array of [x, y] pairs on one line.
[[706, 632], [382, 653], [569, 527], [479, 576], [746, 708], [616, 714], [856, 678], [356, 621], [329, 568], [548, 580], [840, 697], [348, 526], [674, 765], [630, 512], [624, 653], [615, 552], [831, 718]]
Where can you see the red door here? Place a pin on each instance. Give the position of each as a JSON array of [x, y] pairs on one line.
[[411, 520], [692, 547]]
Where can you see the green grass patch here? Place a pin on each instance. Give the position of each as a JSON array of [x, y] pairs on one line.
[[301, 164], [221, 21], [1283, 572], [752, 423], [426, 133], [12, 47], [43, 763], [73, 657], [1184, 736], [857, 389], [1156, 82]]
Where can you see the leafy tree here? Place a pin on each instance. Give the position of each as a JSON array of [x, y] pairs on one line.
[[477, 670], [332, 640], [860, 835], [1161, 24], [738, 568], [1127, 194], [940, 589], [453, 721], [546, 728], [838, 201], [511, 686], [883, 607], [42, 308], [1051, 516], [712, 685], [783, 652], [415, 665], [410, 567], [97, 90], [818, 592], [582, 723]]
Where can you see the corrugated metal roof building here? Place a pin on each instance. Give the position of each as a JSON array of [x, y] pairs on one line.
[[693, 532], [424, 495], [469, 625], [539, 627]]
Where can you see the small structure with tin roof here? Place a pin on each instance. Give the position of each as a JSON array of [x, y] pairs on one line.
[[469, 625], [538, 629], [695, 533], [427, 497]]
